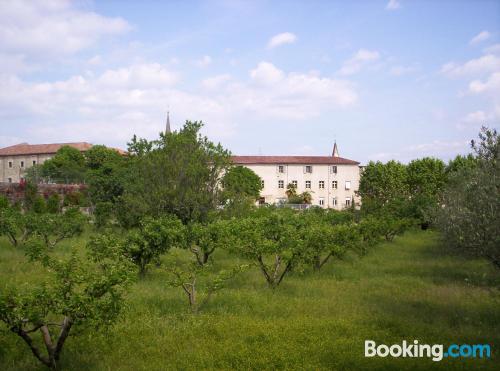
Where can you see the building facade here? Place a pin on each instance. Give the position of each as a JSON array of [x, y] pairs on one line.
[[332, 181], [17, 159]]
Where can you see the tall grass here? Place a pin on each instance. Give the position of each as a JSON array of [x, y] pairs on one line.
[[408, 289]]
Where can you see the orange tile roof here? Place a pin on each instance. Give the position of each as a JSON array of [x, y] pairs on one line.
[[39, 149], [309, 160]]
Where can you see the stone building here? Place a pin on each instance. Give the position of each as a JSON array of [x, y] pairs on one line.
[[16, 159]]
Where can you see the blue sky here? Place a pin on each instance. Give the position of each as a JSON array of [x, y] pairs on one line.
[[386, 79]]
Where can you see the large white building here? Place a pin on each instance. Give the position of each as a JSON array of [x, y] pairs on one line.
[[332, 181]]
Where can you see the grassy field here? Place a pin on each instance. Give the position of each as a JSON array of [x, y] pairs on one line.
[[408, 289]]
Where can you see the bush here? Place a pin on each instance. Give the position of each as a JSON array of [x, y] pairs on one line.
[[54, 203]]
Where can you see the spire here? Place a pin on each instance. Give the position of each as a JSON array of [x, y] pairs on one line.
[[335, 152], [167, 126]]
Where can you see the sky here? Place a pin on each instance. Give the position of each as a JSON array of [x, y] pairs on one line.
[[394, 79]]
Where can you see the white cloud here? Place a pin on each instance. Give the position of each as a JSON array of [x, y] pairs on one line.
[[216, 82], [491, 85], [116, 103], [362, 58], [402, 70], [486, 63], [476, 117], [393, 5], [138, 76], [203, 61], [281, 39], [482, 36], [52, 27], [95, 60], [266, 73], [492, 49], [439, 147]]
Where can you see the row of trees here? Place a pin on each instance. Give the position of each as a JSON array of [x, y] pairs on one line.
[[460, 198]]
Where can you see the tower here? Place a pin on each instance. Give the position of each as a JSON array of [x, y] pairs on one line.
[[167, 126], [335, 152]]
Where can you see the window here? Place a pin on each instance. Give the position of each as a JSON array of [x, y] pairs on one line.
[[333, 169], [281, 184], [334, 201], [347, 184], [308, 169], [321, 201], [22, 163], [34, 162], [295, 184], [10, 165], [334, 184], [281, 169], [262, 183], [308, 184], [321, 184], [10, 180], [348, 201]]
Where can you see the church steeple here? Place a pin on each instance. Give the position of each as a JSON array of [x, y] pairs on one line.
[[335, 152], [167, 126]]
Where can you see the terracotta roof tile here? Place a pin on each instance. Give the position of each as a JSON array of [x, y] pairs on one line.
[[38, 149], [309, 160]]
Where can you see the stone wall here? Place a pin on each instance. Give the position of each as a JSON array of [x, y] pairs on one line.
[[15, 191]]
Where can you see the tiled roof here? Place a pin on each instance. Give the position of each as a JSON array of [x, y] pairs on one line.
[[309, 160], [39, 149]]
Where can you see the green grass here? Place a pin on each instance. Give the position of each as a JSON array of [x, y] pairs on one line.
[[409, 289]]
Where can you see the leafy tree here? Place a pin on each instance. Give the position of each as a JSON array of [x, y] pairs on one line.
[[426, 179], [381, 183], [75, 295], [204, 239], [54, 203], [154, 237], [30, 195], [323, 242], [272, 241], [53, 228], [67, 166], [13, 225], [39, 205], [4, 202], [459, 163], [179, 174], [469, 215], [106, 174], [240, 181], [188, 276]]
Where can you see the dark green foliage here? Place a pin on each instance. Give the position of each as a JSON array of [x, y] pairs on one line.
[[75, 198], [30, 195], [53, 228], [178, 174], [39, 205], [4, 202], [13, 225], [240, 181], [153, 237], [204, 239], [54, 203], [67, 166], [106, 174], [469, 216]]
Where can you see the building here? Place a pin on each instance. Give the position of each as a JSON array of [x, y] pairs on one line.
[[332, 181], [16, 159]]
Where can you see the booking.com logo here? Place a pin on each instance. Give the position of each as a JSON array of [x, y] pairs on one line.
[[435, 351]]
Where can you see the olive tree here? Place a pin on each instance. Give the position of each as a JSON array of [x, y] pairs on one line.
[[76, 294], [469, 215]]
